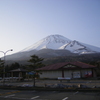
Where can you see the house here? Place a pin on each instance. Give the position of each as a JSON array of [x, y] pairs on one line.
[[18, 73], [70, 70]]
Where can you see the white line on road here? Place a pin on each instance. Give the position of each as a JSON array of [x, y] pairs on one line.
[[9, 96], [65, 98], [35, 97], [75, 93]]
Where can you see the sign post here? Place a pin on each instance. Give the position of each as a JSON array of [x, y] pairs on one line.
[[33, 77]]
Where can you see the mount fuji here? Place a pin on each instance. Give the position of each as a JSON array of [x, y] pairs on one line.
[[54, 46], [50, 42], [58, 42]]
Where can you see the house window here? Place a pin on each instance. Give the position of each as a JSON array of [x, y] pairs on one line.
[[76, 74], [88, 73]]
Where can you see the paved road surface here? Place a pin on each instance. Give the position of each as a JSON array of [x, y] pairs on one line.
[[47, 95]]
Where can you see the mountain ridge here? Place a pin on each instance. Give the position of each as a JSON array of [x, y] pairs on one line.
[[49, 42], [54, 46], [60, 42]]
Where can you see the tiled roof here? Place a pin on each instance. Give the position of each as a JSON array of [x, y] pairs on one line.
[[60, 65], [18, 70]]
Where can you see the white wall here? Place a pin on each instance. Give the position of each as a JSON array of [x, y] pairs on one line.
[[51, 74], [67, 73]]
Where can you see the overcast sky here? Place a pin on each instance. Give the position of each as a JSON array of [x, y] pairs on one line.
[[25, 22]]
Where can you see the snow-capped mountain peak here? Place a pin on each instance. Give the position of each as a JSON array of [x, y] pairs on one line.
[[56, 42], [50, 42], [81, 48]]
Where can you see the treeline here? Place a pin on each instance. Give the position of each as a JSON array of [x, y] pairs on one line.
[[93, 59]]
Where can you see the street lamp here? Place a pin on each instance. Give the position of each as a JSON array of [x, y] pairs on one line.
[[4, 64]]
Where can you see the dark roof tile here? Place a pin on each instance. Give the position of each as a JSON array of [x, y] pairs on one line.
[[18, 70], [60, 65]]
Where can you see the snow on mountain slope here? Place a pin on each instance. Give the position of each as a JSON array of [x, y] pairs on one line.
[[81, 48], [50, 42], [56, 42]]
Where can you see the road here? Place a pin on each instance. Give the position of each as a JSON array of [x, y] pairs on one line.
[[47, 95]]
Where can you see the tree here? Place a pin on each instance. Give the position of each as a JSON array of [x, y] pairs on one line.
[[14, 66], [36, 62]]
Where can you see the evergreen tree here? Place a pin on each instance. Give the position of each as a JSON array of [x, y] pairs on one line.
[[35, 62], [14, 66]]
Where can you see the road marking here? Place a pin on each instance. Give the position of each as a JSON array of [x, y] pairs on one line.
[[9, 93], [9, 96], [65, 98], [1, 94], [35, 97], [75, 93], [15, 91]]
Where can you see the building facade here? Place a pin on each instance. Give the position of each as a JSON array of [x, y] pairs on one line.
[[68, 70]]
